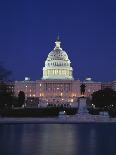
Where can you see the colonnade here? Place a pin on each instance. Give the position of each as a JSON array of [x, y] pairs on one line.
[[53, 72]]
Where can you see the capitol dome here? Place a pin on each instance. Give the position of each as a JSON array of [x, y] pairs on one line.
[[57, 64]]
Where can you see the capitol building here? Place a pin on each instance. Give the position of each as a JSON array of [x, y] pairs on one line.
[[57, 65], [57, 84]]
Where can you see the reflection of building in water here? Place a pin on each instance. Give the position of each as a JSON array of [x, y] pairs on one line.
[[57, 84]]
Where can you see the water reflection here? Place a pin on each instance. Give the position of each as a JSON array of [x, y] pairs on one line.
[[58, 139]]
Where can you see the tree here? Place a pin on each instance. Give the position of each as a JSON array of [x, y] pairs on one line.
[[4, 73], [6, 95], [104, 98], [6, 99], [21, 98]]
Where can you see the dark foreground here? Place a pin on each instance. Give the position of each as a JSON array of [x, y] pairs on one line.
[[58, 139], [36, 112]]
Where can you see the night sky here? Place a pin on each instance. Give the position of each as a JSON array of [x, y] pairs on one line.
[[87, 29]]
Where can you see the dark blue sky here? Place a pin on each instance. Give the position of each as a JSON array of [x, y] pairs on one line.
[[87, 28]]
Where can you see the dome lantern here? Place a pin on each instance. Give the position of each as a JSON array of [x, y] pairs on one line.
[[57, 42]]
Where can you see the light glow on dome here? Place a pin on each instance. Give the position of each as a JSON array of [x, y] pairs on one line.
[[57, 64]]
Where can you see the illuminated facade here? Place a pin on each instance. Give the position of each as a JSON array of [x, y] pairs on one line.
[[91, 86], [27, 86], [58, 91], [50, 90], [57, 65], [111, 85], [114, 85], [57, 84]]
